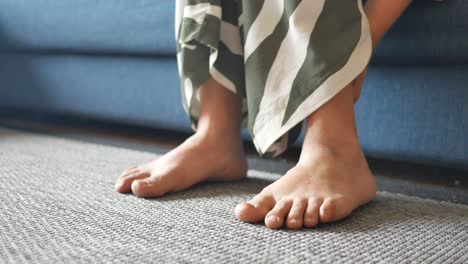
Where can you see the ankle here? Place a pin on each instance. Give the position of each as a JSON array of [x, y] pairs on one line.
[[217, 137], [219, 125], [345, 151]]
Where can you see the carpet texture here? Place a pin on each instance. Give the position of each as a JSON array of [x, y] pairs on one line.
[[58, 205]]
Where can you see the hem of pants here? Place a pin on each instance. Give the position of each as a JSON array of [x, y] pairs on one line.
[[264, 140]]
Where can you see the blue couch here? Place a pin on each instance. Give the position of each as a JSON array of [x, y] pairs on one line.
[[115, 60]]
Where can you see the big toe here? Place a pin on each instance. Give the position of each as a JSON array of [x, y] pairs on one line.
[[151, 187], [247, 212], [124, 183], [255, 210]]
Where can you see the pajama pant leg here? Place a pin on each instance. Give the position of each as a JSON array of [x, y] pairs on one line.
[[285, 58]]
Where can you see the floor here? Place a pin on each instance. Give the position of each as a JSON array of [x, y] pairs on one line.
[[441, 184], [58, 205]]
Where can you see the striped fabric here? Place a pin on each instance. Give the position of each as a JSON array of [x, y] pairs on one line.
[[286, 58]]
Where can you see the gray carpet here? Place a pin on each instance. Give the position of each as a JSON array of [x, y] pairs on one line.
[[58, 205]]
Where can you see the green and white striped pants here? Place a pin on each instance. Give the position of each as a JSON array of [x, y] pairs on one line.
[[286, 58]]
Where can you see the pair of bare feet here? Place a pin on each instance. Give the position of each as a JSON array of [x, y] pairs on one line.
[[330, 180]]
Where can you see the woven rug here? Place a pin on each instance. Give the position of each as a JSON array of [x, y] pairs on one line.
[[58, 206]]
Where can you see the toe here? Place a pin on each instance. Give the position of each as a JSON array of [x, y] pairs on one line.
[[327, 211], [334, 209], [296, 215], [123, 184], [275, 218], [311, 215], [154, 186], [255, 210]]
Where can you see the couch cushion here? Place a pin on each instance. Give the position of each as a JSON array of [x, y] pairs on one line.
[[132, 90], [412, 114], [429, 32], [109, 26]]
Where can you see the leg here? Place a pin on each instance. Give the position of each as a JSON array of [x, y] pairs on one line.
[[214, 152], [330, 180]]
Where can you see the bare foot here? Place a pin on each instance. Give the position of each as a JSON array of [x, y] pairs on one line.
[[198, 159], [331, 179], [324, 188]]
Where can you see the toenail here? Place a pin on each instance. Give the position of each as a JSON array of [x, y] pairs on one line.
[[309, 220], [273, 218], [293, 221], [119, 185]]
